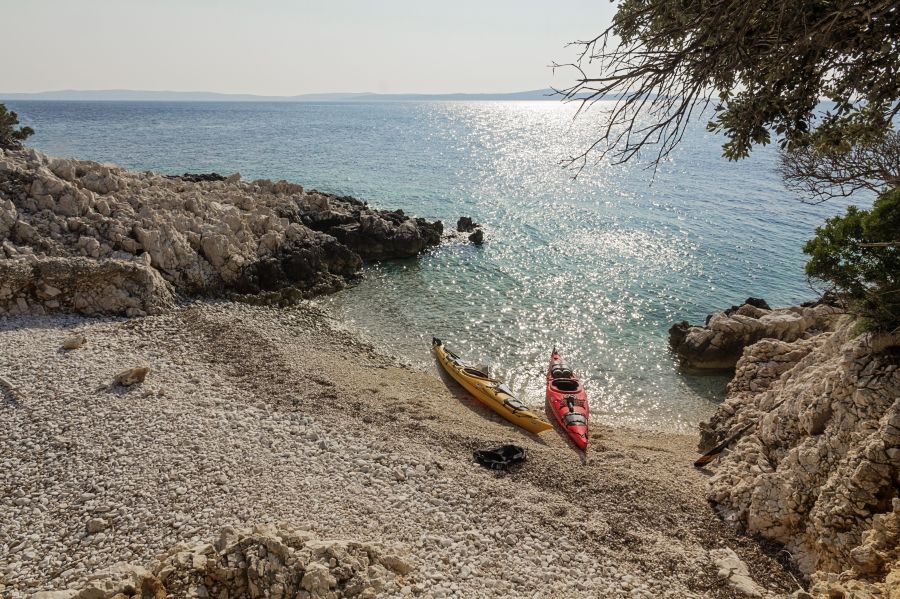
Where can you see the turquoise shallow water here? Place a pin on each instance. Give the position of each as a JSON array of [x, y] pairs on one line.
[[600, 265]]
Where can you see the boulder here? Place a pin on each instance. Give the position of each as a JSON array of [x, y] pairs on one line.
[[131, 376], [735, 572], [465, 224], [385, 235], [477, 237], [95, 525], [266, 561], [74, 342], [83, 286], [720, 343]]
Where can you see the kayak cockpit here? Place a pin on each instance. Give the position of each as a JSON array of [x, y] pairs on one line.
[[476, 373], [566, 385]]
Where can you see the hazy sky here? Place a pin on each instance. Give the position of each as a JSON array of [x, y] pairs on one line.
[[286, 47]]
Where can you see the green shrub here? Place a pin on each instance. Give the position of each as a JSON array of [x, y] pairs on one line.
[[10, 137], [859, 254]]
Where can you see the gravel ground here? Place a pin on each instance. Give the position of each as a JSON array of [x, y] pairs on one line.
[[255, 415]]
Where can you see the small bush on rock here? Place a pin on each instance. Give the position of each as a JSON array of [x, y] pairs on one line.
[[859, 254], [10, 137]]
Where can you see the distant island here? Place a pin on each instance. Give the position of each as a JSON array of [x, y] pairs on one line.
[[127, 95]]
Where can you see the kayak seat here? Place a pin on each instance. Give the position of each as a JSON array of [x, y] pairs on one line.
[[515, 404], [566, 385], [475, 373]]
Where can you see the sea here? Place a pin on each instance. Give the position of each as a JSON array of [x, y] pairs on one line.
[[598, 263]]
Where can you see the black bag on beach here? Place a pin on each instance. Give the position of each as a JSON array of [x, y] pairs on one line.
[[501, 458]]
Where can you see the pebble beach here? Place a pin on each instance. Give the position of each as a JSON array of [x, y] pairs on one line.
[[259, 415]]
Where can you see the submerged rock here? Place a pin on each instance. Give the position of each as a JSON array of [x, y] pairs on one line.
[[200, 234]]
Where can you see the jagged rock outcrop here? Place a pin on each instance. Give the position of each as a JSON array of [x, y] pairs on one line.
[[198, 177], [719, 344], [820, 471], [267, 561], [465, 224], [202, 234], [33, 285]]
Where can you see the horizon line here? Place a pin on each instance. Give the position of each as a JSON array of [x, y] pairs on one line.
[[543, 93]]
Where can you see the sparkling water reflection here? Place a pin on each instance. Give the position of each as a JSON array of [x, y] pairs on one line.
[[600, 265]]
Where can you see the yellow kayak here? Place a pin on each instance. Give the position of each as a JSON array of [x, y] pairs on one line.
[[488, 391]]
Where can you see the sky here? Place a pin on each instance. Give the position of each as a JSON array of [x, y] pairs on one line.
[[289, 47]]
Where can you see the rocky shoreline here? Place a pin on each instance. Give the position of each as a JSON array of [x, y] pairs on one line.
[[720, 342], [78, 236], [815, 466]]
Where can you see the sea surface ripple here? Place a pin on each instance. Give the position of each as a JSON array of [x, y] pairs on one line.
[[599, 265]]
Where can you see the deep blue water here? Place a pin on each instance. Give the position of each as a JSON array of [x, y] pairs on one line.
[[600, 265]]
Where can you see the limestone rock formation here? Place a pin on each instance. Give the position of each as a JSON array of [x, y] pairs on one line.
[[820, 472], [719, 344], [266, 561], [375, 235], [131, 376], [735, 572], [33, 285], [200, 234]]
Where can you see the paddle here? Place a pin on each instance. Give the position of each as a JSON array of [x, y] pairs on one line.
[[713, 453]]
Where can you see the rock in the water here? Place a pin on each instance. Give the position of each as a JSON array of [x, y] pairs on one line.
[[132, 376], [477, 237], [465, 224], [719, 344], [74, 342], [379, 235]]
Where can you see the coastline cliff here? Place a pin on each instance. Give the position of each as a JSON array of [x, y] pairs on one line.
[[818, 469]]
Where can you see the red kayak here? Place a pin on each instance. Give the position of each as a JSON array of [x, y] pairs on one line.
[[567, 400]]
